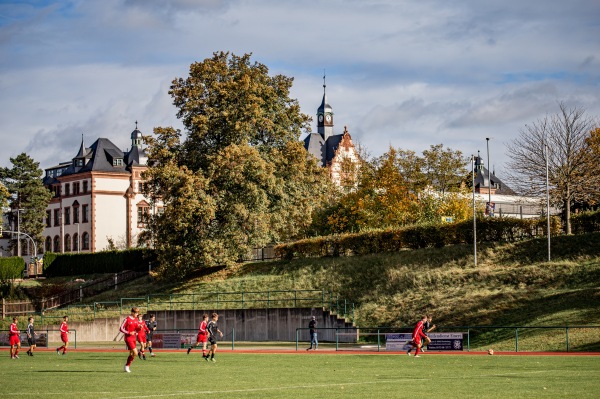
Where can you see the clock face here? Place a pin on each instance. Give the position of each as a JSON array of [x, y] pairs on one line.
[[321, 118], [328, 118]]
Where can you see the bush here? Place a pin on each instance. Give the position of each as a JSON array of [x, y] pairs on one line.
[[11, 268], [585, 222], [418, 236]]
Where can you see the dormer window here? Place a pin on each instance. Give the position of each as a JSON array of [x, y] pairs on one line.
[[118, 162]]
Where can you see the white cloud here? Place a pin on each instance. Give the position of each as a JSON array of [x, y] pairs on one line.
[[410, 74]]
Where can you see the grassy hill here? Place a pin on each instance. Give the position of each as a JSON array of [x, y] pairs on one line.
[[512, 285]]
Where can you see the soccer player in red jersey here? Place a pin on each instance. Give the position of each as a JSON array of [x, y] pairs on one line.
[[416, 337], [14, 339], [202, 337], [64, 336], [129, 330], [142, 329]]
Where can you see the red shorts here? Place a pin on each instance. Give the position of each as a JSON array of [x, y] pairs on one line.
[[417, 340], [141, 338], [130, 342], [202, 338], [14, 340], [64, 337]]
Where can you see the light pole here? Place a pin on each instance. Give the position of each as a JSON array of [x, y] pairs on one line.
[[487, 139], [19, 231], [474, 212], [547, 199]]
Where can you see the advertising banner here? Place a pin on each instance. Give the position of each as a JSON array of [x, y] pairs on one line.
[[41, 340], [439, 341], [167, 340]]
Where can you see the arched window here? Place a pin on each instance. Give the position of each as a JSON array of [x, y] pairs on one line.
[[85, 240], [48, 244], [68, 243], [75, 242], [56, 244]]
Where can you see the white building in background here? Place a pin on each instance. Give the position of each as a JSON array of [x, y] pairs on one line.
[[97, 197]]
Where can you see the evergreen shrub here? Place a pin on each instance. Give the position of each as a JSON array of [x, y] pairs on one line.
[[11, 268]]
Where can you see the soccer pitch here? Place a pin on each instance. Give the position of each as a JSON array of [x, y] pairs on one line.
[[96, 375]]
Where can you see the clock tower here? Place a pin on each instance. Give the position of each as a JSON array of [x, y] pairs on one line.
[[325, 116]]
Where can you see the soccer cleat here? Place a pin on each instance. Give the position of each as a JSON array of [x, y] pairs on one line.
[[213, 360], [57, 351], [206, 358], [408, 353], [127, 369], [152, 354], [144, 357], [417, 356], [16, 356], [189, 349]]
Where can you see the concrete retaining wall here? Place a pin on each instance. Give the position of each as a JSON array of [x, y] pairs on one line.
[[253, 325]]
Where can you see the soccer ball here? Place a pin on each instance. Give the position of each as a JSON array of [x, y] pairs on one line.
[[490, 351]]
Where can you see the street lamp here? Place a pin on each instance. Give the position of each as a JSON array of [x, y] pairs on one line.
[[487, 139], [547, 200], [19, 230], [474, 212]]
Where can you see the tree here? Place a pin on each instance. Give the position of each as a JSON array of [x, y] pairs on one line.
[[443, 169], [571, 171], [27, 194], [241, 178], [4, 194]]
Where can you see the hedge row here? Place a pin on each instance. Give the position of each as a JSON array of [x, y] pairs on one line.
[[420, 236], [11, 268], [99, 262], [585, 222]]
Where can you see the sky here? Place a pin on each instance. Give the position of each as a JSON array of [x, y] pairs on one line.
[[407, 74]]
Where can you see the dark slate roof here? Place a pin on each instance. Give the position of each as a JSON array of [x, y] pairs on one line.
[[314, 144], [481, 179], [100, 155], [323, 150], [132, 158]]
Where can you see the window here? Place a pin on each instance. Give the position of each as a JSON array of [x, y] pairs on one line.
[[57, 217], [75, 242], [84, 213], [75, 214], [118, 162], [143, 215], [85, 241], [68, 215], [85, 186], [48, 218], [76, 188], [48, 244], [141, 186], [67, 189], [56, 244], [68, 243]]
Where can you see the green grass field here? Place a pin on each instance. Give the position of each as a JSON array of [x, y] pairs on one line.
[[96, 375]]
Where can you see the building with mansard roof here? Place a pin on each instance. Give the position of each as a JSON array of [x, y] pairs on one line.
[[98, 198], [333, 151], [500, 200]]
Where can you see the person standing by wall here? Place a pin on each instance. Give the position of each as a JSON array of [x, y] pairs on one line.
[[129, 330], [30, 337], [64, 336], [312, 326], [213, 330], [151, 324], [14, 338], [202, 337]]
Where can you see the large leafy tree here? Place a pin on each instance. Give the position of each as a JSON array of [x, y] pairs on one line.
[[241, 178], [400, 188], [26, 194], [564, 137]]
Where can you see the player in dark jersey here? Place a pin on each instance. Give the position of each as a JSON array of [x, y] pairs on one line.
[[151, 324], [427, 327], [30, 337], [213, 330]]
